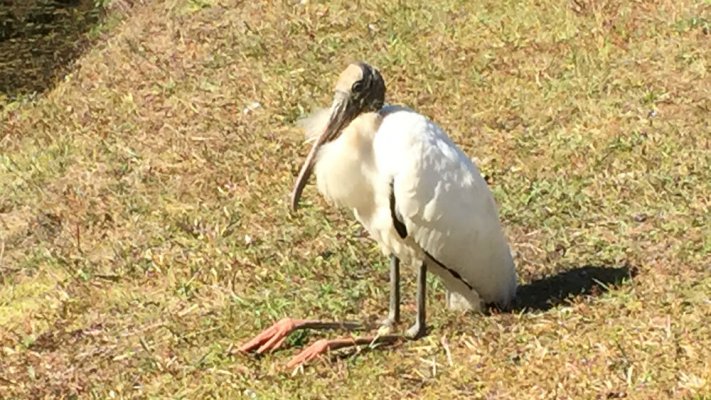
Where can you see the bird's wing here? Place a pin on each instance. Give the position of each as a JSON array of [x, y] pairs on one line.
[[440, 197]]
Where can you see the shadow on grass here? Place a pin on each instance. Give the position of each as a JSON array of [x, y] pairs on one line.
[[39, 40], [551, 291]]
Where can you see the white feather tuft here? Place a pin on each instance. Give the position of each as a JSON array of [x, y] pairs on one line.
[[314, 124]]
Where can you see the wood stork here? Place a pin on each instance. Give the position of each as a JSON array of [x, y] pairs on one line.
[[418, 195]]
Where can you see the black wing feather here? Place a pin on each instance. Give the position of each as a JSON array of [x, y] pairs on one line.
[[396, 216]]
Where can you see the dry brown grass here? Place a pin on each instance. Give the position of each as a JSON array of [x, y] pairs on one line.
[[144, 226]]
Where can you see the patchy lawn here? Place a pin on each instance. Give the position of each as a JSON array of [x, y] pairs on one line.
[[144, 226]]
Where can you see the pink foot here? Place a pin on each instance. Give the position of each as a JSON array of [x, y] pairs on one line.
[[273, 337], [325, 345]]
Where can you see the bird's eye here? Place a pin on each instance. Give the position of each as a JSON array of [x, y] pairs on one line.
[[357, 87]]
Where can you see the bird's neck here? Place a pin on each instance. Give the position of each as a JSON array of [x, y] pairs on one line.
[[346, 168]]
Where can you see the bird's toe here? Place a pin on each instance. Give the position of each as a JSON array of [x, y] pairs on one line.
[[385, 329], [416, 331]]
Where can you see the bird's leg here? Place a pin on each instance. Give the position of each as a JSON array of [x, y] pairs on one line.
[[324, 345], [394, 308], [419, 329], [273, 337]]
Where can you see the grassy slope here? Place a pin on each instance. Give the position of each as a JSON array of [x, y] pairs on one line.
[[144, 227]]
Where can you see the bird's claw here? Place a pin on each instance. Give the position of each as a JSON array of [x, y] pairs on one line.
[[271, 338], [316, 349], [324, 345]]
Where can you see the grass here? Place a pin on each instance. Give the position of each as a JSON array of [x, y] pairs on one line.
[[144, 227]]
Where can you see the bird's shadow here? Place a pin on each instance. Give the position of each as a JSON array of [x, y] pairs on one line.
[[543, 294], [548, 292]]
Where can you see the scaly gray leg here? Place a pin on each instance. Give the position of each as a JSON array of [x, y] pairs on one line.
[[419, 329], [394, 309]]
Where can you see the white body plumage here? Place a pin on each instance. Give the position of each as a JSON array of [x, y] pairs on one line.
[[439, 195]]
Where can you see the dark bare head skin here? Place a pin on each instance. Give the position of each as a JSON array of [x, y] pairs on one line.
[[360, 88]]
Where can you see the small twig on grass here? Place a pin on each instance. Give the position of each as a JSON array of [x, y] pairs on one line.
[[152, 356], [2, 252], [445, 344]]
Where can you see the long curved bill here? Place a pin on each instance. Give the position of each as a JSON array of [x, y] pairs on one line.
[[341, 114]]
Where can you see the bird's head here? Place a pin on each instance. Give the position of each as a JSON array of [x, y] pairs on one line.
[[360, 88]]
